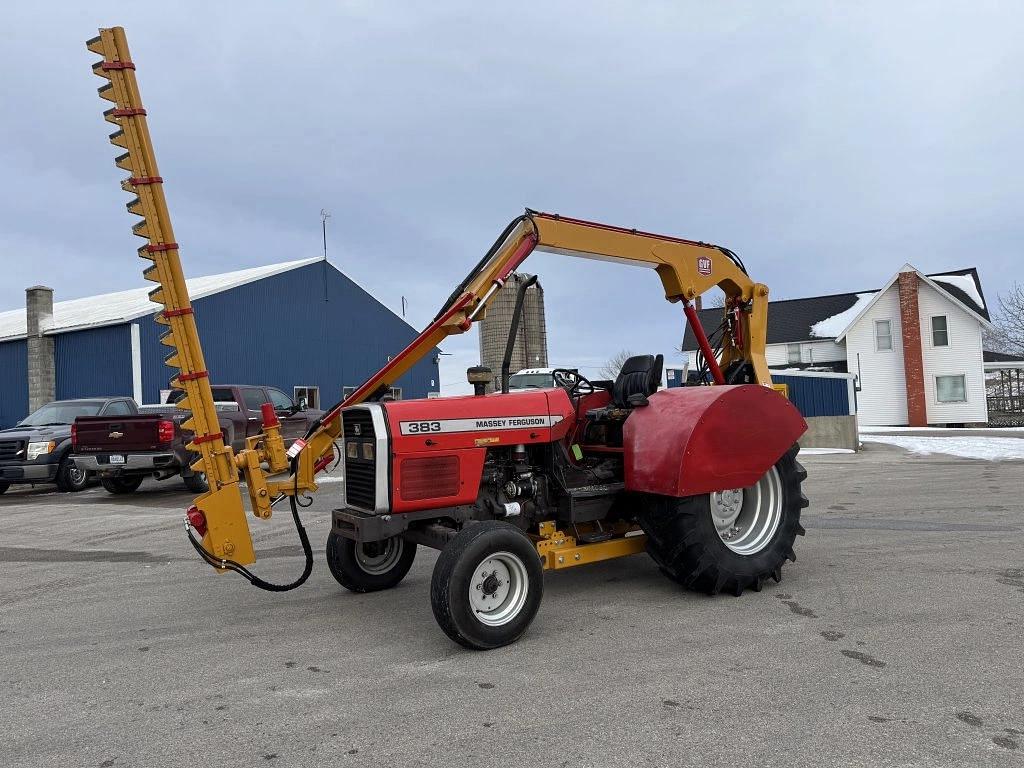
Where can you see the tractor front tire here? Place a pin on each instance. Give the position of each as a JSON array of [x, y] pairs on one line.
[[371, 566], [487, 585], [731, 540]]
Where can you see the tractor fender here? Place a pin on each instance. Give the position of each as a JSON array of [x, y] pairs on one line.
[[692, 440]]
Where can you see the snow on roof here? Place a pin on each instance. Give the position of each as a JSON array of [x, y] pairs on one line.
[[832, 326], [965, 283], [119, 307]]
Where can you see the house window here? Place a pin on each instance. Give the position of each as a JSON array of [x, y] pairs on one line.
[[883, 335], [346, 392], [940, 331], [793, 353], [951, 389]]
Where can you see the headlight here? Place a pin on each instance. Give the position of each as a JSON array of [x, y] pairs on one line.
[[35, 450]]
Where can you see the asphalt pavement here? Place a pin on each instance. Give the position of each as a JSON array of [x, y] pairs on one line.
[[894, 640]]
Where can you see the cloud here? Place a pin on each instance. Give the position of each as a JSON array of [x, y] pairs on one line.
[[827, 144]]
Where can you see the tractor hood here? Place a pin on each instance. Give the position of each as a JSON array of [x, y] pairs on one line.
[[535, 416]]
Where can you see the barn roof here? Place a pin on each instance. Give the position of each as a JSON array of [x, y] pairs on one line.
[[826, 317], [122, 306]]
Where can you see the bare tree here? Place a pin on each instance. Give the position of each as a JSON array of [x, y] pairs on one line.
[[713, 299], [1008, 332], [610, 370]]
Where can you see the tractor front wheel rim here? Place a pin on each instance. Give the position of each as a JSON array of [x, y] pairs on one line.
[[746, 519], [498, 589], [379, 557]]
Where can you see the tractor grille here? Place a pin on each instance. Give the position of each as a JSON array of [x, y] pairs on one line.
[[10, 449], [360, 471]]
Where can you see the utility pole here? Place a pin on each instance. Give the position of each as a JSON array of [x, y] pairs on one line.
[[324, 216]]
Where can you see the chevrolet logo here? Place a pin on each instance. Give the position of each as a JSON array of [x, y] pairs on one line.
[[357, 428], [115, 435]]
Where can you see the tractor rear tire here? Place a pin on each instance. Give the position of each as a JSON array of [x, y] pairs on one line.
[[732, 540], [121, 485], [487, 585], [369, 567], [3, 487]]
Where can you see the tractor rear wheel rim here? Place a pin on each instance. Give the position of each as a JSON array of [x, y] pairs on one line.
[[498, 589], [746, 519], [381, 557]]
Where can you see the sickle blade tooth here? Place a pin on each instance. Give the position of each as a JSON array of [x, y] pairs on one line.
[[157, 296], [124, 162], [107, 92], [141, 229], [167, 340], [135, 206], [172, 360], [152, 274], [95, 44]]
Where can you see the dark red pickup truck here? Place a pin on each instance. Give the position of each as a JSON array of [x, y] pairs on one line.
[[124, 450]]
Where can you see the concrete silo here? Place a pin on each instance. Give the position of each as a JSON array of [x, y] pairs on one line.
[[531, 347]]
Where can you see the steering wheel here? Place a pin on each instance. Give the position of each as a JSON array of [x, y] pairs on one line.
[[572, 381]]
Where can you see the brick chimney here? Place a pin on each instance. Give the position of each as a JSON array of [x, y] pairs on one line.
[[913, 358], [42, 377]]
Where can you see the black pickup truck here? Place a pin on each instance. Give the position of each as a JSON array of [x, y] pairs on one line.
[[125, 450], [37, 449]]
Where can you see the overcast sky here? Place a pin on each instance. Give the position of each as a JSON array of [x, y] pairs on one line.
[[827, 144]]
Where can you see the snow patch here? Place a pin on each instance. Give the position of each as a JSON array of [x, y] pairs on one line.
[[965, 283], [988, 448], [824, 451], [831, 327]]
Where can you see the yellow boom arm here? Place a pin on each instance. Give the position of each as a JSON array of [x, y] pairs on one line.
[[687, 269]]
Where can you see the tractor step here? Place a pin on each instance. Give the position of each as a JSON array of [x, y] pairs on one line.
[[593, 537]]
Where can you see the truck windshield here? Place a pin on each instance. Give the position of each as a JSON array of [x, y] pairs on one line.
[[61, 413], [530, 381]]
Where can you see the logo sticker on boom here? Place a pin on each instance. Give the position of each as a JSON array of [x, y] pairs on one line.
[[472, 425], [704, 265]]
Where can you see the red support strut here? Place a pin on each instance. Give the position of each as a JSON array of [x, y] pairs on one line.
[[702, 342]]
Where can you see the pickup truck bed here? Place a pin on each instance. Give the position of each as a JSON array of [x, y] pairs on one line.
[[124, 450]]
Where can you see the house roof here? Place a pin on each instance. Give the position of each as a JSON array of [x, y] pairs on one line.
[[1001, 357], [122, 306], [826, 317]]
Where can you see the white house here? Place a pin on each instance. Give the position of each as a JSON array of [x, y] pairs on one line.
[[915, 345]]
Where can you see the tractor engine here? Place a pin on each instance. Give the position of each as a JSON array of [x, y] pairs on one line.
[[503, 456]]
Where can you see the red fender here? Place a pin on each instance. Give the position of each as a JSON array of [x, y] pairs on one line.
[[693, 440]]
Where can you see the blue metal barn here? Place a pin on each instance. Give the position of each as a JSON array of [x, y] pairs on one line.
[[327, 333]]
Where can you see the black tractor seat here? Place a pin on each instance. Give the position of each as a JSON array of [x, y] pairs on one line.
[[639, 378]]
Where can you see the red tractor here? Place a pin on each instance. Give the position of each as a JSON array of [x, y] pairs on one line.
[[506, 485]]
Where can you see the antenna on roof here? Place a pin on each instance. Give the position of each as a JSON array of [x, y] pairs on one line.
[[324, 216]]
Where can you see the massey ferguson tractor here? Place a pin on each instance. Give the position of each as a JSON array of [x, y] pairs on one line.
[[704, 478]]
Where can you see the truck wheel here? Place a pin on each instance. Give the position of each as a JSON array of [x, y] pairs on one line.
[[371, 566], [487, 585], [729, 540], [70, 478], [196, 482], [3, 487], [121, 485]]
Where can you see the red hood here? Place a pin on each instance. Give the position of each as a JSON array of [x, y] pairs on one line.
[[535, 416]]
